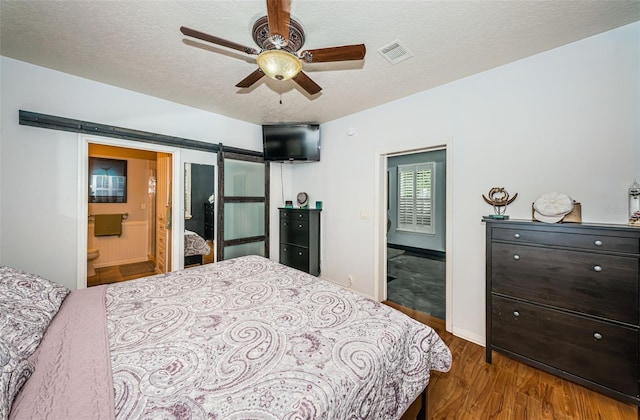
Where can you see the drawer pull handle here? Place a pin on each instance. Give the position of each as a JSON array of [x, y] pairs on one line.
[[597, 336], [516, 257], [597, 268], [299, 215], [284, 249], [517, 236], [516, 313], [598, 243], [299, 226], [286, 224], [300, 253]]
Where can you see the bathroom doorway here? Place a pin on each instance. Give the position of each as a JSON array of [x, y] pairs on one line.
[[138, 239]]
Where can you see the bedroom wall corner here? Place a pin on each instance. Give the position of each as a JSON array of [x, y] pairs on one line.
[[281, 185]]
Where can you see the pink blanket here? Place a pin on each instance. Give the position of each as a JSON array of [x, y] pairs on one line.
[[73, 370]]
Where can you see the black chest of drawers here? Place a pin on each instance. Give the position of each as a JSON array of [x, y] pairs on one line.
[[300, 239], [565, 298], [209, 221]]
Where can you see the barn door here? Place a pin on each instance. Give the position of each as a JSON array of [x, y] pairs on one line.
[[243, 206]]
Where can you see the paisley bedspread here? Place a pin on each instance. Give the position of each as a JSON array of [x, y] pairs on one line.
[[249, 338], [195, 244]]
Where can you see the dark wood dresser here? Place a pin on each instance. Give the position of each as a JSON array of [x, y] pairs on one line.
[[209, 221], [564, 298], [300, 239]]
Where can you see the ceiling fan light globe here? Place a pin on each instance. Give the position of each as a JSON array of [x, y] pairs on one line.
[[279, 65]]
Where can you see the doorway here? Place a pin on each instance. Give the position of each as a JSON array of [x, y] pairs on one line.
[[382, 206], [142, 243], [122, 207], [416, 231]]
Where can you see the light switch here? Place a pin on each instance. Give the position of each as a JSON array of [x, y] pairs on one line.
[[364, 214], [143, 206]]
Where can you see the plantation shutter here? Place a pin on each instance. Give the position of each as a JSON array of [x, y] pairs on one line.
[[415, 197]]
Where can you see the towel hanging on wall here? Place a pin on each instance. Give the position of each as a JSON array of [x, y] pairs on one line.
[[108, 225]]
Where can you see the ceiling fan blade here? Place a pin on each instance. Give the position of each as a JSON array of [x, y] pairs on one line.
[[250, 79], [279, 16], [307, 84], [344, 53], [218, 41]]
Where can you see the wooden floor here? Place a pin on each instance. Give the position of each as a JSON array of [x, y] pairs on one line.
[[506, 389]]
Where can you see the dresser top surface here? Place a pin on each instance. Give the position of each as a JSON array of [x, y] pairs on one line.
[[297, 209], [560, 227]]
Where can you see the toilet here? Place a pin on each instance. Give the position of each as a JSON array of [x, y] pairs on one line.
[[92, 254]]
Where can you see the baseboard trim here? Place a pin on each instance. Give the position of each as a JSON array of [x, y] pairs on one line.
[[469, 336], [431, 253]]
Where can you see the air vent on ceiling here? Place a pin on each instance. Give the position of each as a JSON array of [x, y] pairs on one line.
[[395, 52]]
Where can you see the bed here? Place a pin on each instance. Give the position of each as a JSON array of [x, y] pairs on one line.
[[195, 247], [246, 338]]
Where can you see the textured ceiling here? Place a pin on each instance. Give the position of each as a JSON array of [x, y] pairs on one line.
[[137, 45]]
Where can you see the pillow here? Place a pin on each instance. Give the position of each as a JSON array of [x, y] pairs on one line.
[[14, 372], [28, 303]]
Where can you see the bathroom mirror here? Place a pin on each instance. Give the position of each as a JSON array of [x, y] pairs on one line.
[[107, 180], [199, 214]]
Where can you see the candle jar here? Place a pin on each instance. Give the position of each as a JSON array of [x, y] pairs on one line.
[[634, 204]]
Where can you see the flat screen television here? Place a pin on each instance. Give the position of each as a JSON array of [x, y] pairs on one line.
[[291, 142]]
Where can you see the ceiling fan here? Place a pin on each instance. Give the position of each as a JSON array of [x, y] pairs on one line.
[[280, 38]]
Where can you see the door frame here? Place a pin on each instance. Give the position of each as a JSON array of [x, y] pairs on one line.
[[380, 241], [83, 196]]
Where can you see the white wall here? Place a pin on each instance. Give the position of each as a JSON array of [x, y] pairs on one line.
[[564, 120], [39, 167]]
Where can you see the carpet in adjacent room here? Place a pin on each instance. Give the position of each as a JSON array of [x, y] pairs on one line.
[[418, 283]]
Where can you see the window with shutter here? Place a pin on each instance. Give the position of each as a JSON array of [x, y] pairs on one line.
[[415, 197]]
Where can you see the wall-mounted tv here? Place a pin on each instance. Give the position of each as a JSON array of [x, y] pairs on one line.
[[291, 142]]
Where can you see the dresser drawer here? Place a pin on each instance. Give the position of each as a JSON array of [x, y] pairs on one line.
[[161, 240], [596, 351], [592, 283], [294, 231], [295, 256], [570, 240], [161, 252], [294, 214]]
